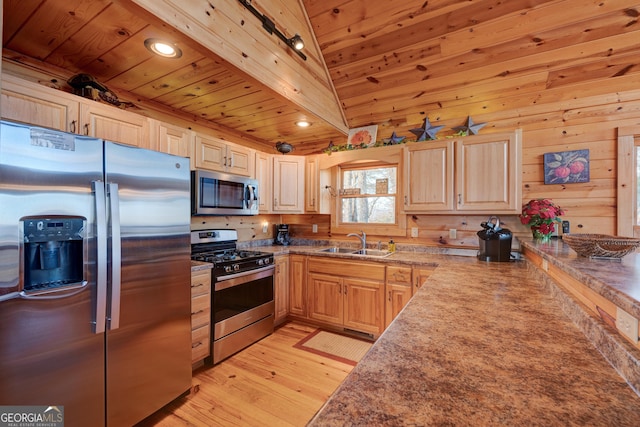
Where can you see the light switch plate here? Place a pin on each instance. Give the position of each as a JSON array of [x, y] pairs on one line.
[[627, 324], [414, 231], [314, 228], [453, 233]]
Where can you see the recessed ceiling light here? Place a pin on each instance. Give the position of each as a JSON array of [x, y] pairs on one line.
[[163, 48], [303, 123]]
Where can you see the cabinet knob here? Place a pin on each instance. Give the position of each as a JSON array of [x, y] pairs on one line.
[[86, 128], [459, 198], [389, 296], [224, 160], [72, 127]]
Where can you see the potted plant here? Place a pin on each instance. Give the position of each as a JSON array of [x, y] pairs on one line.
[[541, 215]]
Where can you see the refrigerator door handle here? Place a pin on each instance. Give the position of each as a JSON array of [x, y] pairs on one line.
[[101, 263], [116, 255]]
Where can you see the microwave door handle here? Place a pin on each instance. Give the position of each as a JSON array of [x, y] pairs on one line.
[[116, 256], [101, 261]]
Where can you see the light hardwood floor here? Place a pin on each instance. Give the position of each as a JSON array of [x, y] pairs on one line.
[[270, 383]]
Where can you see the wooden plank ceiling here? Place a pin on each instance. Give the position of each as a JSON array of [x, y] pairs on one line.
[[392, 63]]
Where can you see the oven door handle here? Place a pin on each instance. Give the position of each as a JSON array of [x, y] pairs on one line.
[[230, 280]]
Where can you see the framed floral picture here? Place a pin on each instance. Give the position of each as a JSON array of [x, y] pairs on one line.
[[566, 167], [364, 136]]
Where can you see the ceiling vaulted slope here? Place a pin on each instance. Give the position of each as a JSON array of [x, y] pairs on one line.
[[394, 63], [390, 63]]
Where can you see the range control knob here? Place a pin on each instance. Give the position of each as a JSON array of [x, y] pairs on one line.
[[227, 269], [267, 261], [260, 261], [236, 267]]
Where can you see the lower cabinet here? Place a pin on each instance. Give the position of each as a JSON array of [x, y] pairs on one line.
[[200, 314], [420, 275], [346, 293], [298, 285], [398, 291], [281, 288]]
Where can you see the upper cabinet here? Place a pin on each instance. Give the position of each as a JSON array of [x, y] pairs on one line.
[[171, 139], [113, 124], [39, 105], [475, 174], [288, 184], [218, 155], [264, 175]]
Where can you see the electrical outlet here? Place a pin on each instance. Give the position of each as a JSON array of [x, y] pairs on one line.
[[314, 228], [453, 233], [627, 324], [414, 231], [545, 265]]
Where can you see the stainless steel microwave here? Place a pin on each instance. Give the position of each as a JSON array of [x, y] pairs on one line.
[[217, 193]]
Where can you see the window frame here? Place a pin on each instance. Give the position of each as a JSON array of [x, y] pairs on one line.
[[386, 229], [627, 186]]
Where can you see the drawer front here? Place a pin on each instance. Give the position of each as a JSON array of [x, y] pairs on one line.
[[200, 343], [200, 310], [361, 270], [399, 275], [200, 282]]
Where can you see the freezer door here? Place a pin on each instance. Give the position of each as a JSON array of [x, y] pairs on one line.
[[49, 352], [149, 331]]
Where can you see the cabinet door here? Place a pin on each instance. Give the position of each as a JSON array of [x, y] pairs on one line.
[[113, 124], [325, 298], [429, 176], [420, 275], [240, 160], [288, 184], [311, 184], [397, 297], [173, 140], [264, 174], [210, 153], [488, 173], [363, 305], [39, 105], [298, 285], [281, 288]]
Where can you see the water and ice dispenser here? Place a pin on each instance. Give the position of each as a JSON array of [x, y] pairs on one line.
[[53, 249]]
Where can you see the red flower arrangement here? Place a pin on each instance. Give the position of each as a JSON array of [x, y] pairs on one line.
[[541, 215]]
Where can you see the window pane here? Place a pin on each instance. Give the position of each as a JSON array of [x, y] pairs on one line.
[[369, 210], [367, 180]]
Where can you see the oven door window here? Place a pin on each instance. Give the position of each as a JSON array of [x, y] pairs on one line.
[[217, 193], [237, 299]]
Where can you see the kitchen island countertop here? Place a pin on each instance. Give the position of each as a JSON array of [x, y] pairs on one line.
[[481, 344]]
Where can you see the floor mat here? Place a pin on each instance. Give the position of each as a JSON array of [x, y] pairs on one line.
[[335, 346]]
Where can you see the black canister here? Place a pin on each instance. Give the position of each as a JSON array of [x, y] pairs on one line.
[[495, 242]]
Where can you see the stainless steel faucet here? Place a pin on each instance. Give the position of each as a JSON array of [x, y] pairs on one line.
[[363, 238]]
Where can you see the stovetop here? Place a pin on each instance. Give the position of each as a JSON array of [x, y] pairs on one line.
[[219, 248]]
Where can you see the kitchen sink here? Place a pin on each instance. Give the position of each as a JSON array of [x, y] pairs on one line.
[[335, 250], [372, 252]]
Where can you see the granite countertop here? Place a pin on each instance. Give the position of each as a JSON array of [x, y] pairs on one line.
[[618, 280], [200, 265], [482, 344]]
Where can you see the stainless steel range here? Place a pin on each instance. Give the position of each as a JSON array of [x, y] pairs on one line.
[[242, 298]]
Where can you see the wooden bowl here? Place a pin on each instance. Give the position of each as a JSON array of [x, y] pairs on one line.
[[601, 245]]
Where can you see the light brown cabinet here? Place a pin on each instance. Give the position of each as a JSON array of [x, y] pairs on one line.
[[474, 174], [200, 315], [420, 275], [298, 285], [264, 175], [281, 288], [348, 294], [221, 156], [171, 139], [398, 291], [288, 184], [39, 105]]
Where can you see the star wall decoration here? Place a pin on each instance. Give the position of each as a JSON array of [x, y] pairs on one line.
[[470, 128], [395, 139], [426, 131]]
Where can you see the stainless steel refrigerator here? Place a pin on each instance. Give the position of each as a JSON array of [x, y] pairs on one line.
[[94, 276]]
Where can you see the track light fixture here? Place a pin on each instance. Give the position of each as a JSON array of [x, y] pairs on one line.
[[294, 42]]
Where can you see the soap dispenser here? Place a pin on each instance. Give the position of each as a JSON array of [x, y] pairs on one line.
[[392, 246]]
